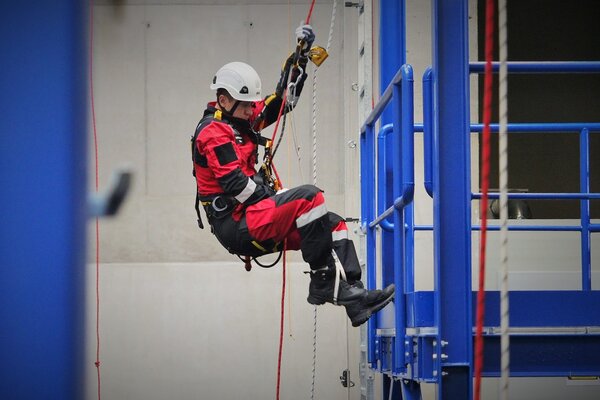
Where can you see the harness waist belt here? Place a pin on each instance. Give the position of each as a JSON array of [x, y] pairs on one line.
[[219, 205]]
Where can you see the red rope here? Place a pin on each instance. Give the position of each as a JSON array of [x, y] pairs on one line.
[[275, 134], [280, 353], [91, 63], [485, 178], [281, 324], [312, 5]]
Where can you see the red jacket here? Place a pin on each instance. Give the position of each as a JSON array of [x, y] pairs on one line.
[[226, 151]]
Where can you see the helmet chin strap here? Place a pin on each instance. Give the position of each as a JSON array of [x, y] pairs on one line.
[[230, 112]]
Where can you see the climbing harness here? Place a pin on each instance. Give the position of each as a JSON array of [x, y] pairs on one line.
[[220, 205], [293, 74]]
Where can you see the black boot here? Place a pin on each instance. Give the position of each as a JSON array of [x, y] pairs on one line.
[[375, 300], [322, 289]]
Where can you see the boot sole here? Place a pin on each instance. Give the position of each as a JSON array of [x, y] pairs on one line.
[[320, 301], [364, 316], [315, 301]]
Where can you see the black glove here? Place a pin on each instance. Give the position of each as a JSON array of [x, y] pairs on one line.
[[305, 34]]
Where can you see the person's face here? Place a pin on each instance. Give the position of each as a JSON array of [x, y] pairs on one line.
[[243, 111]]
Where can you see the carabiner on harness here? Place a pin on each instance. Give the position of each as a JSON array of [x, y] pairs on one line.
[[292, 98], [218, 208]]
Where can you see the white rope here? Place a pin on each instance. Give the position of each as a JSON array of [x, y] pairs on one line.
[[314, 363], [314, 128], [503, 180], [314, 98], [340, 274], [314, 170]]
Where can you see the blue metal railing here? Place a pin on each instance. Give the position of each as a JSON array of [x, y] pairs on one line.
[[584, 130], [399, 95], [387, 165]]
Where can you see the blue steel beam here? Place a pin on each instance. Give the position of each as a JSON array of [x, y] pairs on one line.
[[392, 45], [543, 196], [452, 208], [533, 308], [544, 355], [584, 187], [522, 228], [392, 55], [548, 127], [551, 67], [553, 333], [43, 162]]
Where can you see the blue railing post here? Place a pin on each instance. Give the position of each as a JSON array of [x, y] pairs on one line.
[[399, 233], [392, 55], [401, 153], [43, 164], [367, 150], [427, 130], [452, 207], [584, 187], [408, 171], [383, 164]]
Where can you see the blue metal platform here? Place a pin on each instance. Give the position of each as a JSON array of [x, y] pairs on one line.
[[429, 335]]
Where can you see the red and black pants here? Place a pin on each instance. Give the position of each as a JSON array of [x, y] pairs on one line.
[[297, 217]]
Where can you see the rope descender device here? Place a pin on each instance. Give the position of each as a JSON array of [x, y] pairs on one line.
[[266, 169], [317, 55]]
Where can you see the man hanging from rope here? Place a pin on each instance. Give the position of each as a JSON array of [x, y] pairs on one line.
[[246, 214]]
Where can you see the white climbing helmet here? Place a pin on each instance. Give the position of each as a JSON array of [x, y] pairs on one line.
[[240, 80]]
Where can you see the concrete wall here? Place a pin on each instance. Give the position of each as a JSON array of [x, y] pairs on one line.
[[179, 317]]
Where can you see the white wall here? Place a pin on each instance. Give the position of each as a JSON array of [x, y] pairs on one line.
[[152, 68], [180, 318]]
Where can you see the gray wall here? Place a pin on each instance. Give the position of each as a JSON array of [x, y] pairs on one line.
[[179, 317]]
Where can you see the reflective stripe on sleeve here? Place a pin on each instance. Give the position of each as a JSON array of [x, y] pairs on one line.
[[247, 191]]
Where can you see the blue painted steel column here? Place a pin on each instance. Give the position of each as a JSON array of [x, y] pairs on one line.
[[399, 233], [367, 165], [584, 187], [452, 208], [392, 45], [427, 130], [43, 162], [392, 55]]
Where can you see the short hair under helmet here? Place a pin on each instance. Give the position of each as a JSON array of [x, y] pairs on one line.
[[240, 80]]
